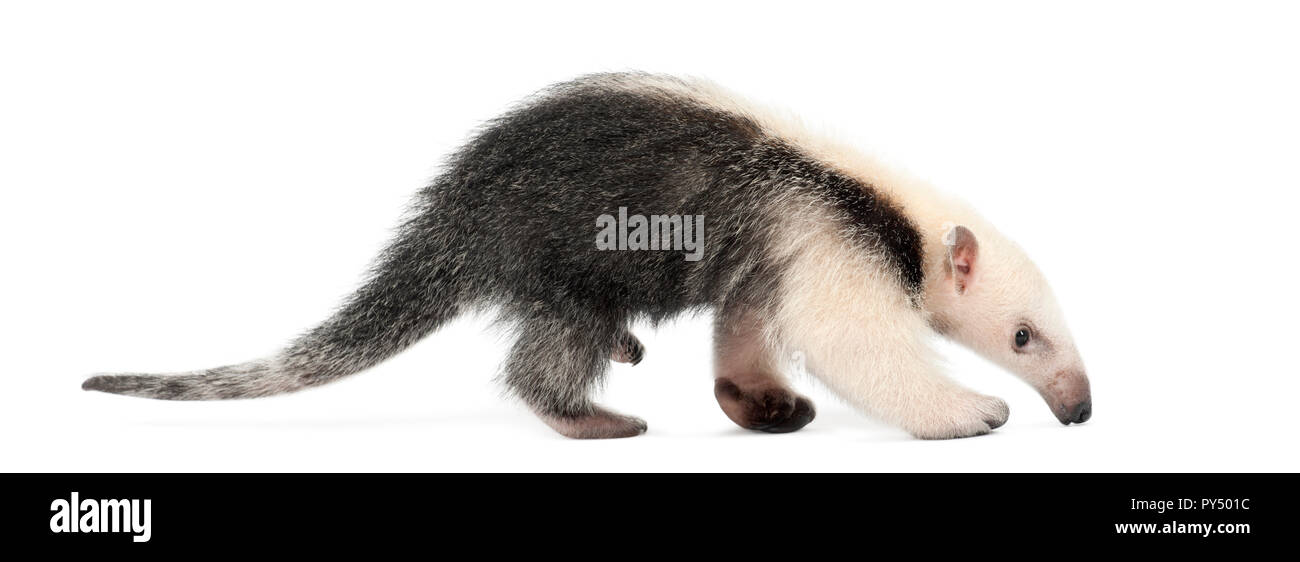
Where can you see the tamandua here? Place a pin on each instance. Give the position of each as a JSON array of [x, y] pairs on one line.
[[809, 247]]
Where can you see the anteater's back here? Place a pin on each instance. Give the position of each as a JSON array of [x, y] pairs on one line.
[[523, 198]]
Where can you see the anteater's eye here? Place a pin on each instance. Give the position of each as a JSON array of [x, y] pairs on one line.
[[1022, 336]]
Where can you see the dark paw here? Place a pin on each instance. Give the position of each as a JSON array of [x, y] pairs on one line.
[[773, 409]]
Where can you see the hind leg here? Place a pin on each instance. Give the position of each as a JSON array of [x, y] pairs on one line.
[[554, 365], [749, 386]]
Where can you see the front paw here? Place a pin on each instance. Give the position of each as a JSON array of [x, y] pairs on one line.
[[968, 416]]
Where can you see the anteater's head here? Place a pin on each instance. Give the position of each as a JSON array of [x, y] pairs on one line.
[[984, 293]]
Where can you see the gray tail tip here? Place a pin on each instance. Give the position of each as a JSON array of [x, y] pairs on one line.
[[102, 383]]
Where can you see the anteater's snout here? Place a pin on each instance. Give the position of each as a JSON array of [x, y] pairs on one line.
[[1077, 414], [1069, 396]]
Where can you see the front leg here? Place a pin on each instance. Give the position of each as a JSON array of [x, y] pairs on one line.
[[888, 368], [749, 386], [864, 337]]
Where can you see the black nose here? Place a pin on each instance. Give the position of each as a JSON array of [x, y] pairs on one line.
[[1081, 412]]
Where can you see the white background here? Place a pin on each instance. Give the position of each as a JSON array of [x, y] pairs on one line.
[[184, 185]]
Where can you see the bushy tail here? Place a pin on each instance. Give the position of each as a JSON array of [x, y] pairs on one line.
[[412, 291]]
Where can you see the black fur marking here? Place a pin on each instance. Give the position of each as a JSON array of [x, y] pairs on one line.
[[871, 221]]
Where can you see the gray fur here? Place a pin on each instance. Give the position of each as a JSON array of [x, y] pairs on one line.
[[510, 224]]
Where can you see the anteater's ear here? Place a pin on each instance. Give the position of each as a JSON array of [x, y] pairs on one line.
[[963, 252]]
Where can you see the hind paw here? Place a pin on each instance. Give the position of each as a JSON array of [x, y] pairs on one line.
[[627, 350], [598, 424]]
